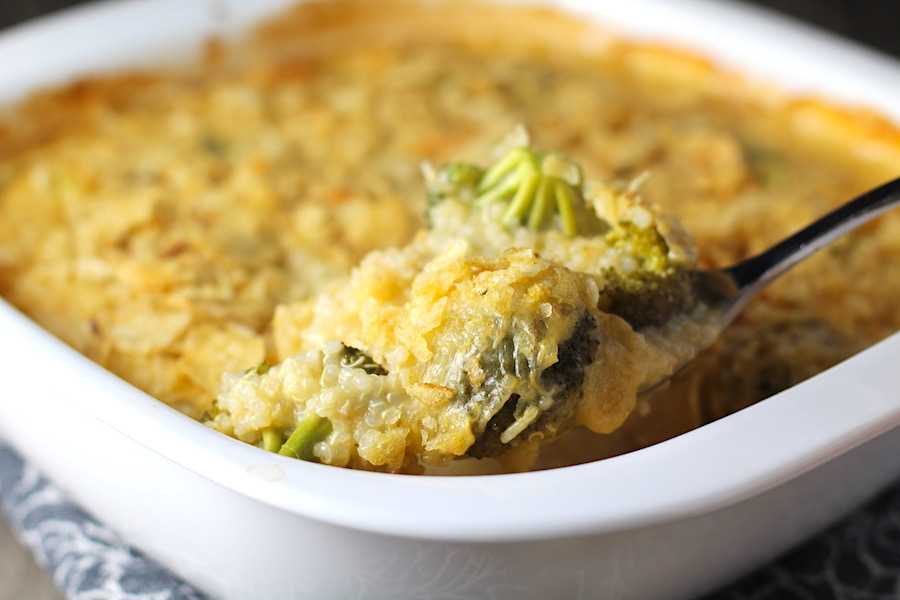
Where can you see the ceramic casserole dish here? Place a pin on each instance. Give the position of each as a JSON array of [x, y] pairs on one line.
[[673, 520]]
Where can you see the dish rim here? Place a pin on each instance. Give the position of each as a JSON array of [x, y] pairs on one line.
[[497, 507]]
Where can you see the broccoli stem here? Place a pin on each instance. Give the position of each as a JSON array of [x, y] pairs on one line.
[[565, 205], [271, 439], [522, 201], [510, 162], [542, 202], [533, 184], [311, 430], [505, 188]]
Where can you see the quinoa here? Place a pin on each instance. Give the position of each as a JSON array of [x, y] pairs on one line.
[[169, 226], [469, 321]]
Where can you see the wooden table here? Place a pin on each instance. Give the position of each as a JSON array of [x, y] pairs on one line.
[[20, 577]]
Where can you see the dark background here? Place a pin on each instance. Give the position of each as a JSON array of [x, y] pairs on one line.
[[875, 23]]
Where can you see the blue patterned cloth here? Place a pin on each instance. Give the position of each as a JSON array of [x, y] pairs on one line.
[[86, 560], [858, 559]]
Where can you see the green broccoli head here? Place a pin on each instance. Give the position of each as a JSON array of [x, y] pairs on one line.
[[645, 245], [565, 376], [546, 191], [541, 190], [657, 289], [649, 299], [455, 180]]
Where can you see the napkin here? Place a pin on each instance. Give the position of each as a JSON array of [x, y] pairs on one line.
[[86, 560], [858, 559]]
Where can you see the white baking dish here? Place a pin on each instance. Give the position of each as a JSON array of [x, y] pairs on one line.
[[670, 521]]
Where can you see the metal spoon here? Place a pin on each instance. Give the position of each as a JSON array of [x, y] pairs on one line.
[[728, 290]]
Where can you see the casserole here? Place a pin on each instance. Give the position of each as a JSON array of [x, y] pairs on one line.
[[204, 500]]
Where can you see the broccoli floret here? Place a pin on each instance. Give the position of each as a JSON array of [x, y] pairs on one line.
[[656, 289], [354, 358], [575, 355], [643, 244], [644, 299], [456, 180], [488, 444], [649, 298], [540, 189], [545, 191]]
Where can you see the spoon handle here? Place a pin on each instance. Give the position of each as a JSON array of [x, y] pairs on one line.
[[758, 271]]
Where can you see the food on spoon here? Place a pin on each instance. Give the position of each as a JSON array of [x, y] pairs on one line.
[[535, 301]]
